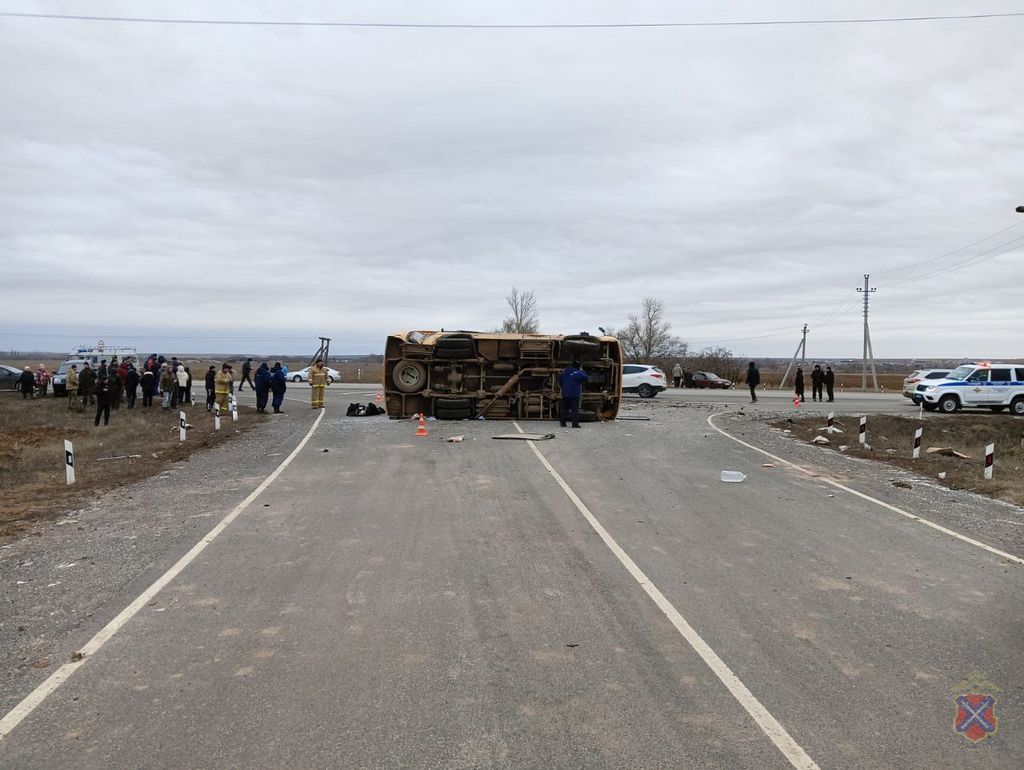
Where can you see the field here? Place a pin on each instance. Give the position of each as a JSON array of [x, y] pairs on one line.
[[892, 438], [137, 443]]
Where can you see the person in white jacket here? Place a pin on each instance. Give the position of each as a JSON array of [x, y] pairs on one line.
[[182, 377]]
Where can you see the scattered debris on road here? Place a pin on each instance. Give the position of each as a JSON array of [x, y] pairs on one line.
[[525, 436], [733, 476], [454, 439], [820, 440]]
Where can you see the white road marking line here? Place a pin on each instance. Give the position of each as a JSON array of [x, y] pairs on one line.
[[913, 516], [771, 727], [62, 674]]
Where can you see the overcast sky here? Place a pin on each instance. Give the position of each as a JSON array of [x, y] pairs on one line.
[[200, 188]]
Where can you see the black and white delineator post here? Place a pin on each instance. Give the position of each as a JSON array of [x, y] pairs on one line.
[[69, 462], [917, 442], [863, 437], [990, 460], [233, 406], [831, 421], [181, 426], [216, 416]]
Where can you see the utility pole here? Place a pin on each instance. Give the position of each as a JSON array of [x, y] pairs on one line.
[[801, 350], [869, 353]]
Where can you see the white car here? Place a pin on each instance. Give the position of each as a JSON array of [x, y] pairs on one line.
[[643, 379], [911, 381], [996, 386], [302, 375]]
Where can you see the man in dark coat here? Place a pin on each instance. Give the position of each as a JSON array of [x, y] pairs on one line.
[[87, 384], [115, 386], [102, 401], [278, 385], [131, 385], [817, 380], [798, 384], [571, 382], [753, 380], [830, 383], [246, 376], [262, 387], [26, 383], [211, 387], [147, 381]]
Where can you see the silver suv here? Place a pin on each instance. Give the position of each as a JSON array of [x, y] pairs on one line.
[[996, 386]]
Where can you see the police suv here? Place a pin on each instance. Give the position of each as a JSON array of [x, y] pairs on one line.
[[996, 386]]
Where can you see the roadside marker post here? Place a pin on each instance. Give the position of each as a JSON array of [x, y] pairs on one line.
[[990, 460], [216, 416], [920, 411], [69, 462], [181, 426], [233, 406], [831, 421], [917, 442], [863, 437]]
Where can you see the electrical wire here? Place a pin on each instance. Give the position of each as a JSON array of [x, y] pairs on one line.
[[948, 253], [411, 25], [1014, 245]]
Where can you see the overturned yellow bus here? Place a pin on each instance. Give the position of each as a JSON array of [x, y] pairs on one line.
[[467, 375]]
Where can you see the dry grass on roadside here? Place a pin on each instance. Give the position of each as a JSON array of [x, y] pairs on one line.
[[892, 439], [32, 433]]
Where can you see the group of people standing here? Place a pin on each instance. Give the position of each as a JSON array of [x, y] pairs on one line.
[[106, 385], [820, 380], [30, 384], [269, 383]]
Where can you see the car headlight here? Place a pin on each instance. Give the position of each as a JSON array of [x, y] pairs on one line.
[[931, 389]]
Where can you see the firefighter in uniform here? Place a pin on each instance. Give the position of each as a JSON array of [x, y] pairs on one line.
[[318, 383], [223, 384]]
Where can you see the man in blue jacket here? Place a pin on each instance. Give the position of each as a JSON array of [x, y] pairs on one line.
[[572, 380]]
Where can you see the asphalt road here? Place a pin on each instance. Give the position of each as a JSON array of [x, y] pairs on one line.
[[403, 602]]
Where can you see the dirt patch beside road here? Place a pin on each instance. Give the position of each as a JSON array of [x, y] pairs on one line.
[[892, 438], [137, 443]]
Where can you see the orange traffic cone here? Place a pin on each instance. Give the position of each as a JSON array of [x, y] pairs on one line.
[[796, 402], [421, 429], [379, 398]]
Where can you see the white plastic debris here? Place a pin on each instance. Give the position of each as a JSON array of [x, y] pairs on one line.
[[820, 440], [733, 476], [942, 474], [843, 447], [455, 439]]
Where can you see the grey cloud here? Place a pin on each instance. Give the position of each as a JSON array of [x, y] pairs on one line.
[[364, 181]]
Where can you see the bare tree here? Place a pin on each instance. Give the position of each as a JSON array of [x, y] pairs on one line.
[[525, 318], [718, 360], [648, 336]]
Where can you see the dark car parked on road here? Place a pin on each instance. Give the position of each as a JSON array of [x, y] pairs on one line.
[[710, 380], [9, 377]]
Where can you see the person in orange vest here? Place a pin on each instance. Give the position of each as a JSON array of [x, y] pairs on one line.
[[223, 384], [318, 382]]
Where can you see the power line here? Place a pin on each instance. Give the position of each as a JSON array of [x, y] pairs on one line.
[[410, 25], [949, 253], [977, 259]]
